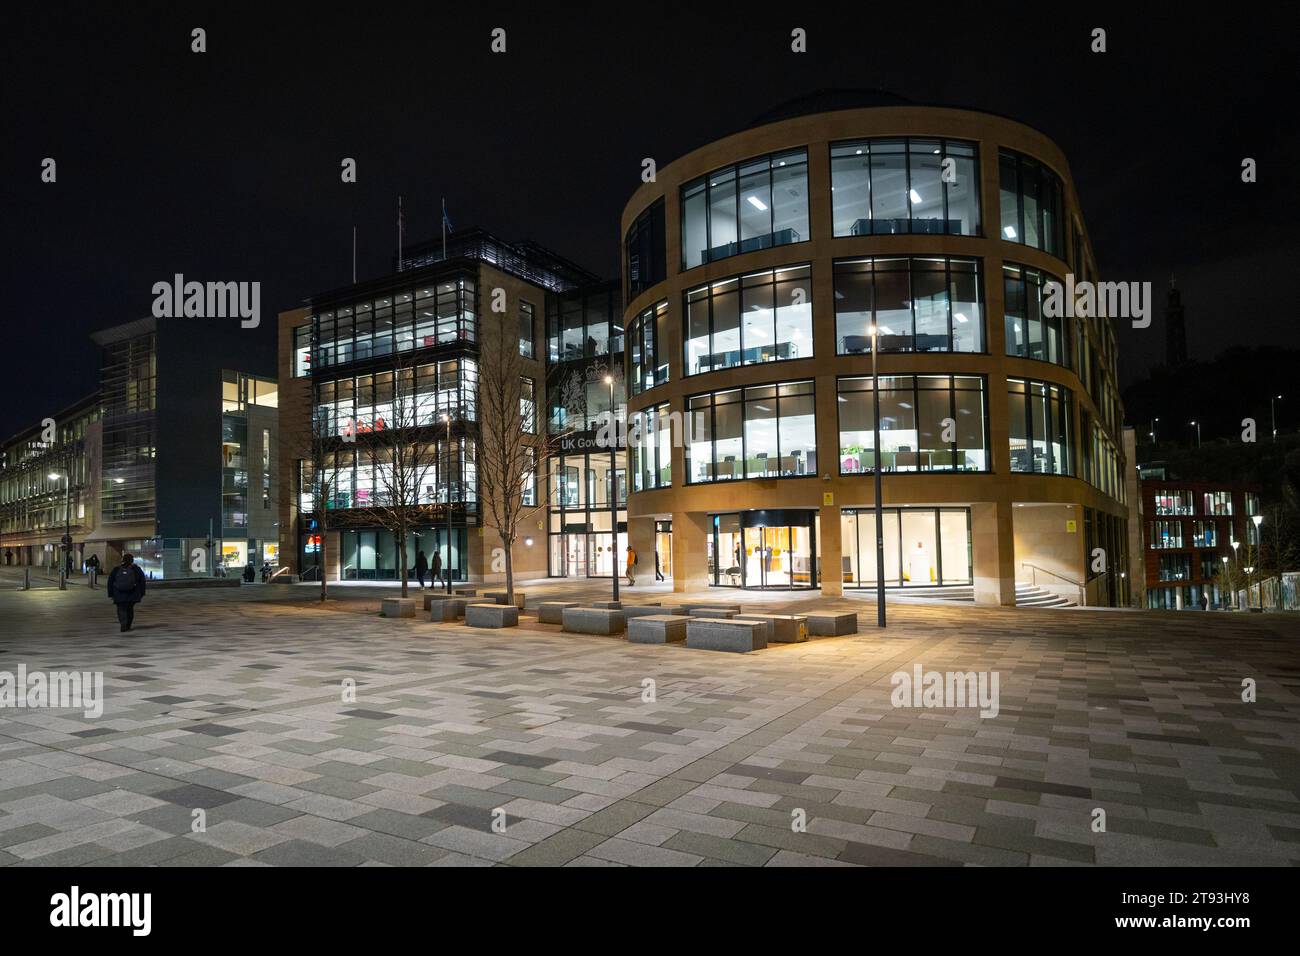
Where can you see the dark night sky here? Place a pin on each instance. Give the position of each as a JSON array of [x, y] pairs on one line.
[[225, 166]]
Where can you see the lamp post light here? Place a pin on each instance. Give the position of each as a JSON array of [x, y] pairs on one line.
[[1197, 424], [66, 552], [613, 491], [1224, 559], [1272, 411], [1154, 423], [880, 517], [447, 418]]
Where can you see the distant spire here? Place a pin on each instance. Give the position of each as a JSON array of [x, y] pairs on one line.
[[1175, 328]]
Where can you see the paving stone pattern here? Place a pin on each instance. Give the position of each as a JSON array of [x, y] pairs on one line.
[[230, 702]]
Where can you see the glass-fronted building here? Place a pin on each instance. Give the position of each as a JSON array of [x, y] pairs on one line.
[[394, 365], [760, 272]]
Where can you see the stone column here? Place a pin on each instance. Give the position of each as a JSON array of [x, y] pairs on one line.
[[690, 550], [993, 550], [831, 550]]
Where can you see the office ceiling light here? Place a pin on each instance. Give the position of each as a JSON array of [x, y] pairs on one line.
[[916, 197], [1009, 231], [959, 317], [756, 203]]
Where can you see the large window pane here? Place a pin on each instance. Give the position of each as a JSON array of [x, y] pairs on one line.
[[889, 199], [695, 232], [925, 190], [722, 214], [851, 190]]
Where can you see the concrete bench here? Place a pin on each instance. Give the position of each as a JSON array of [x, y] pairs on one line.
[[657, 628], [500, 597], [446, 609], [593, 620], [712, 612], [690, 609], [832, 623], [641, 610], [610, 605], [722, 634], [747, 618], [786, 628], [491, 615], [552, 612], [397, 607]]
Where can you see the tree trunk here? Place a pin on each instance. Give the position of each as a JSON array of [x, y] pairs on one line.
[[401, 554], [510, 571]]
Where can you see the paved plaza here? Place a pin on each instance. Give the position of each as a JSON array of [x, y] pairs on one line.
[[232, 702]]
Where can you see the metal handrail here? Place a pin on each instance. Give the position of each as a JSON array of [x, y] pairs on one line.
[[1083, 588]]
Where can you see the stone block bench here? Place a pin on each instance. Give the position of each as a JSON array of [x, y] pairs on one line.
[[609, 605], [397, 607], [832, 623], [491, 615], [712, 612], [465, 592], [723, 634], [500, 597], [593, 620], [552, 612], [445, 609], [657, 628], [751, 618], [691, 609], [642, 610], [785, 628]]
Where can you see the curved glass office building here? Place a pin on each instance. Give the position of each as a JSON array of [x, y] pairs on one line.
[[756, 269]]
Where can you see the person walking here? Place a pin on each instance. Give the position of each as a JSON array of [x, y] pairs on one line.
[[659, 575], [435, 569], [250, 572], [126, 590], [421, 566], [92, 565], [631, 566]]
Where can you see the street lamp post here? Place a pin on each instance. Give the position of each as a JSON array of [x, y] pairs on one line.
[[66, 552], [1198, 432], [1272, 411], [1225, 575], [447, 418], [1154, 423], [1235, 544], [880, 516], [613, 490]]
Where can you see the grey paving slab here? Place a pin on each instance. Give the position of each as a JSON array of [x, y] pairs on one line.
[[1137, 713]]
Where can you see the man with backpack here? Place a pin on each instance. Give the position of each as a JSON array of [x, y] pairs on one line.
[[126, 589]]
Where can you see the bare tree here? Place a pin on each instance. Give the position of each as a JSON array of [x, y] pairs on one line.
[[510, 455], [401, 448]]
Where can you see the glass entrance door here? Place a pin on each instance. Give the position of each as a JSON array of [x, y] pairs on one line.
[[764, 550]]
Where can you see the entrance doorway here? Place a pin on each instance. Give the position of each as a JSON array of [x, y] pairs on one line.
[[664, 547], [774, 549]]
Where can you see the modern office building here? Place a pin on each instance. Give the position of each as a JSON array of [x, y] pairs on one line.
[[1198, 536], [755, 270], [189, 425], [419, 337], [173, 458], [49, 488]]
